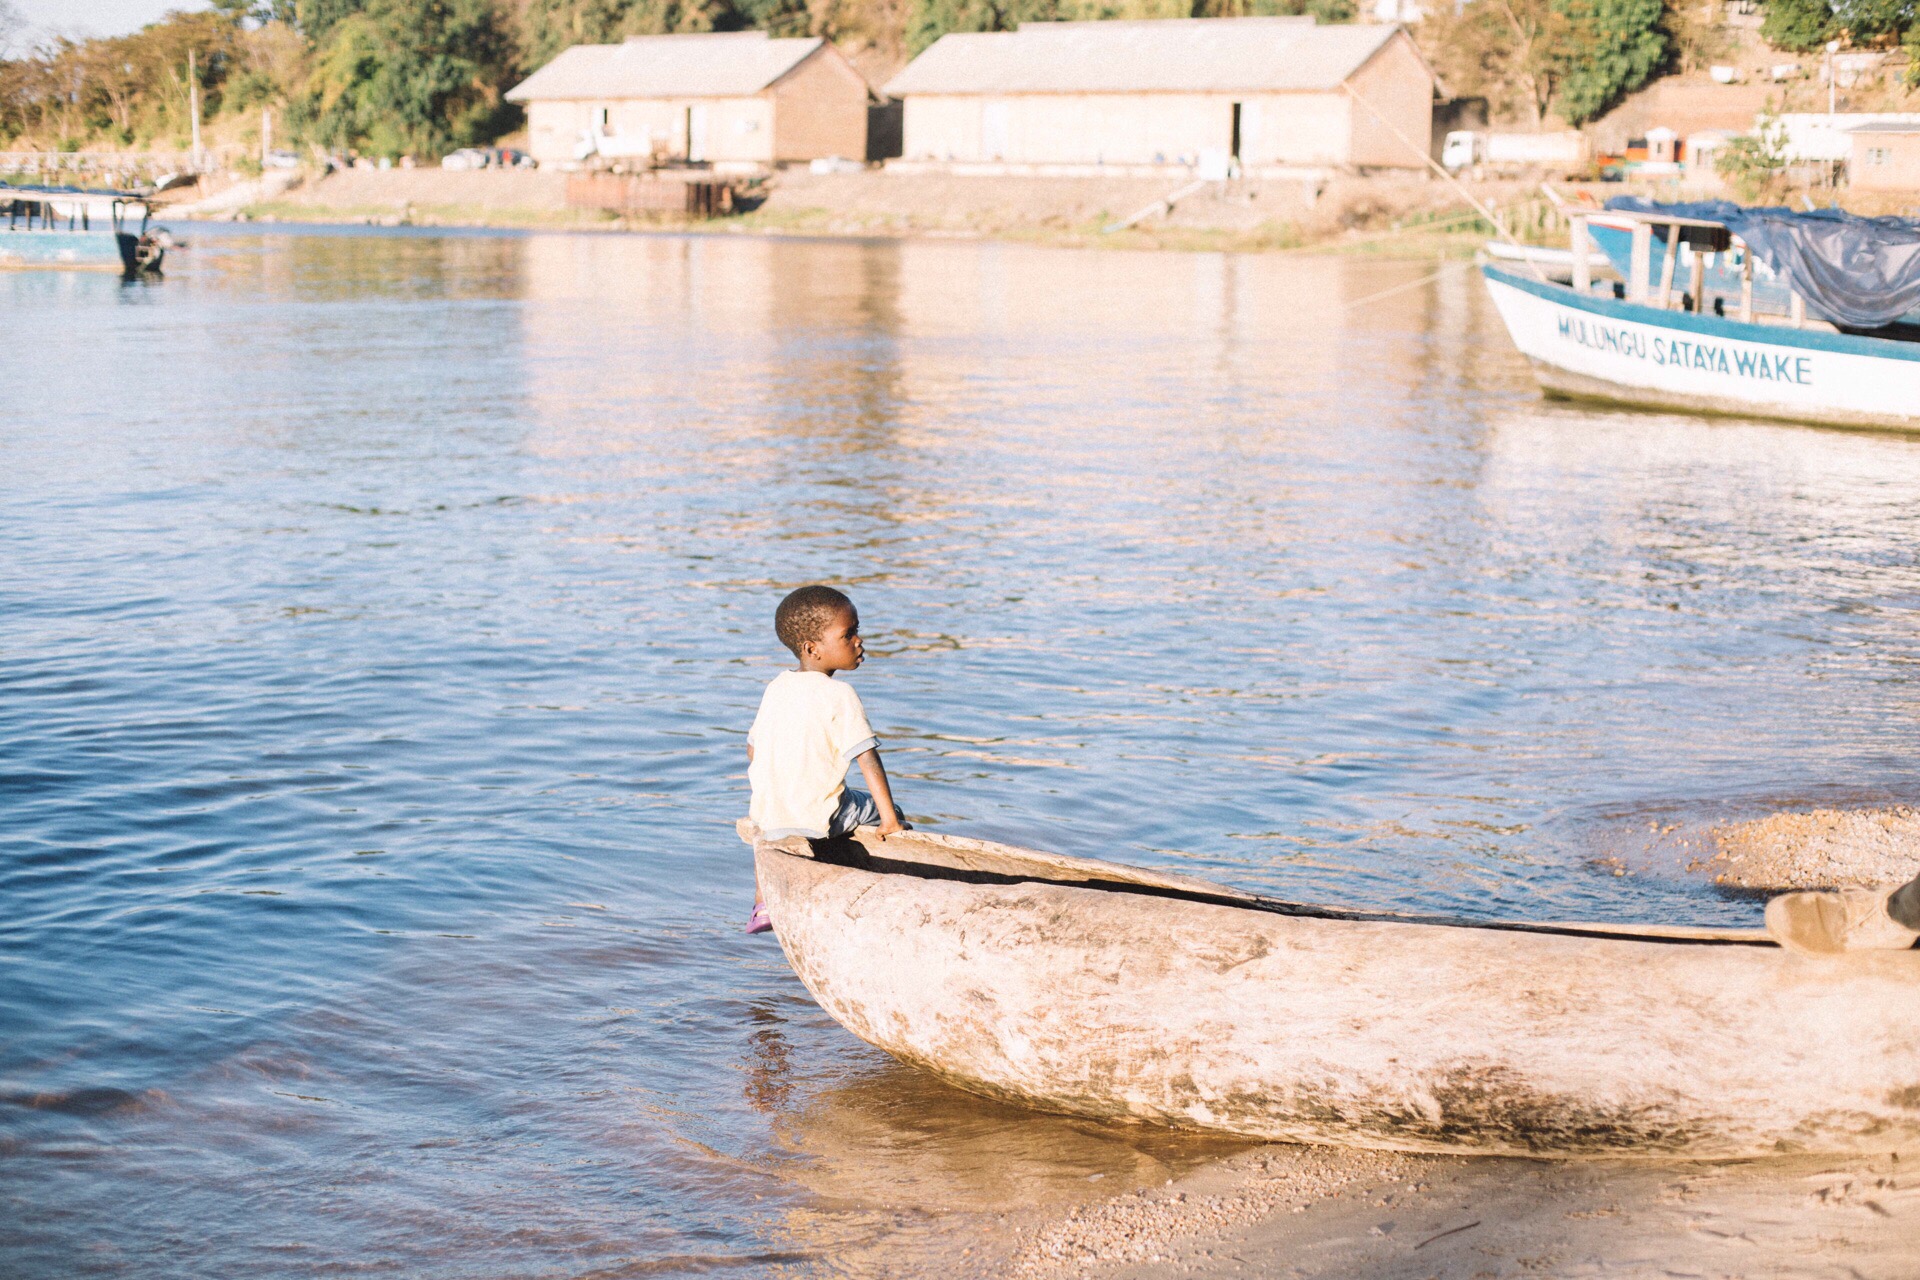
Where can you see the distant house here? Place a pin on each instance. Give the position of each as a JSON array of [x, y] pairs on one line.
[[1822, 136], [1265, 92], [1885, 156], [737, 99]]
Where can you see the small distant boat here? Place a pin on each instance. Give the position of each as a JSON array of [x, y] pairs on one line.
[[1102, 990], [78, 228], [1718, 339], [1556, 263]]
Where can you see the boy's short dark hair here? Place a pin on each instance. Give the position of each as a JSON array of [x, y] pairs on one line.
[[805, 613]]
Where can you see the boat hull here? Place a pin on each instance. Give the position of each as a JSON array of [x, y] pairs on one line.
[[71, 250], [1212, 1011], [1600, 348]]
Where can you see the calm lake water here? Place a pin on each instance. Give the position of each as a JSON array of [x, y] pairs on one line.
[[381, 615]]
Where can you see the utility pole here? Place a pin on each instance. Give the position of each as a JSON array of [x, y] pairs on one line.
[[1833, 47], [266, 135], [193, 105]]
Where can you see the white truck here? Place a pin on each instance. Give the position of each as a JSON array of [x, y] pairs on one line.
[[1512, 152]]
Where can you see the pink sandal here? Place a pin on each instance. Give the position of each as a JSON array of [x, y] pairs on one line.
[[759, 921]]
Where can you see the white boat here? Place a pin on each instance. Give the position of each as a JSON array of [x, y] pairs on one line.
[[1557, 263], [71, 227], [1117, 992], [1671, 344]]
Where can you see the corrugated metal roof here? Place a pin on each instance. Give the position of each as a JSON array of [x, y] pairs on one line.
[[729, 64], [1169, 55], [1888, 126]]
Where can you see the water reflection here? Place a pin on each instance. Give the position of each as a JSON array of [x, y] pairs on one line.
[[896, 1137]]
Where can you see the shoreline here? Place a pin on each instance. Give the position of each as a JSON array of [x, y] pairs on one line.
[[1380, 216], [1303, 1211], [1412, 247]]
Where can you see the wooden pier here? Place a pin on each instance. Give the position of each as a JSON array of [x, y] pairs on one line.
[[693, 196]]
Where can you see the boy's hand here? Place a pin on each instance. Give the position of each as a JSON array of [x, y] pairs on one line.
[[876, 775]]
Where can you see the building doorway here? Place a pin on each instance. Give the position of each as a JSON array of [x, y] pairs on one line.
[[697, 133], [1233, 137], [993, 130]]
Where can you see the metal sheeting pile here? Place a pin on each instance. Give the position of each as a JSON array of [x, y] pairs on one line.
[[1860, 273]]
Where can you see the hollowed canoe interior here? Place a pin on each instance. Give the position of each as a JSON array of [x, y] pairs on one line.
[[933, 857]]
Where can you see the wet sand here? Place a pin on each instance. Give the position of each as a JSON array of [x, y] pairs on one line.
[[1297, 1212]]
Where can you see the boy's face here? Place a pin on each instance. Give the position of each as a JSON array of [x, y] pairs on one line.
[[838, 646]]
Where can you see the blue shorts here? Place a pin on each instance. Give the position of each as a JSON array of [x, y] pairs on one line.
[[857, 809]]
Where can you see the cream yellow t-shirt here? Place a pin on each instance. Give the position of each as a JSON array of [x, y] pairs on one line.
[[809, 729]]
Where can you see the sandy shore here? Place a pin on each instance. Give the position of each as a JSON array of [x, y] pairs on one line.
[[1817, 849], [1405, 214], [1290, 1211], [1286, 1211]]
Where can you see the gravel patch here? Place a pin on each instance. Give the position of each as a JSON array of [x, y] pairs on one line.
[[1817, 849]]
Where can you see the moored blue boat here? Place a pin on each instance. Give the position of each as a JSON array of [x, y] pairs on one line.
[[72, 227], [1828, 344]]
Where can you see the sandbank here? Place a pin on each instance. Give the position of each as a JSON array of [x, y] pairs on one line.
[[1296, 1211]]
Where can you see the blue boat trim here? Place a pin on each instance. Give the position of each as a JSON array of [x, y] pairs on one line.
[[1712, 326], [37, 190]]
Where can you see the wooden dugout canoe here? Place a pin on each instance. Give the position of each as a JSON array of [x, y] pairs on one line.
[[1108, 991]]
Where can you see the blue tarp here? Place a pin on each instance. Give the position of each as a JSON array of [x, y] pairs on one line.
[[1862, 273]]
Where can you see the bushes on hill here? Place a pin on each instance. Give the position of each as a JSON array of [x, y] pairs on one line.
[[1575, 58], [1799, 25], [402, 76], [1607, 48]]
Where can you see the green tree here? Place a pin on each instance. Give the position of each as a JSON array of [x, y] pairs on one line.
[[1755, 162], [1866, 20], [928, 20], [1332, 10], [316, 19], [778, 18], [1608, 49], [1799, 25], [550, 26], [1502, 50], [410, 76]]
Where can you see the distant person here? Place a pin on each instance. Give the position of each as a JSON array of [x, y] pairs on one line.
[[810, 728], [1822, 923]]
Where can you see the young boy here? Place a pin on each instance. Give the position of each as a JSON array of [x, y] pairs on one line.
[[810, 727]]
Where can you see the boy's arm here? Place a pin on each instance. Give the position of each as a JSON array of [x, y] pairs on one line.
[[876, 775]]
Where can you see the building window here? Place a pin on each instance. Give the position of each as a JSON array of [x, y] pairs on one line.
[[1879, 155]]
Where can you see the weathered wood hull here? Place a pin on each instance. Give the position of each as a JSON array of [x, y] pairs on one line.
[[1154, 998]]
